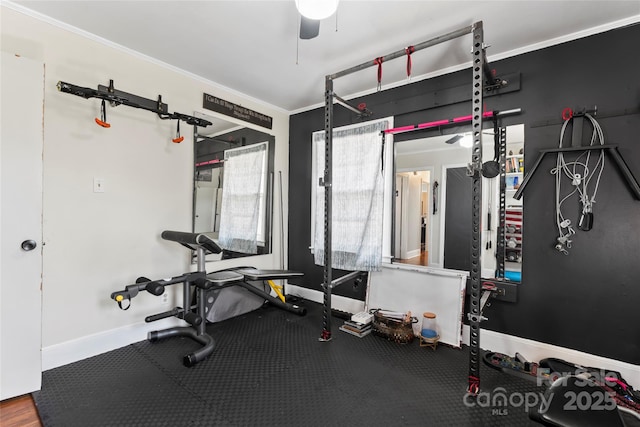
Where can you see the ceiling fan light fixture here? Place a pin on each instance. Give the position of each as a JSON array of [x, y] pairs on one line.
[[466, 141], [453, 139], [317, 9]]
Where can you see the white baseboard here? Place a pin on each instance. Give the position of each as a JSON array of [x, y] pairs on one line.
[[337, 302], [93, 345], [535, 351], [412, 254]]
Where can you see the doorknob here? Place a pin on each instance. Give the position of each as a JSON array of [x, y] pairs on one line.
[[28, 245]]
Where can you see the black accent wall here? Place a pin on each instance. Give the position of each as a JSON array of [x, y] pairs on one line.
[[588, 300]]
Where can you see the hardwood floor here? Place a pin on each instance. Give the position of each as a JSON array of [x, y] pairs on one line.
[[19, 412], [422, 259]]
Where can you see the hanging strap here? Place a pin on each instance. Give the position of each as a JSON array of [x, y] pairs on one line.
[[496, 137], [178, 139], [409, 51], [378, 61], [382, 152], [102, 121]]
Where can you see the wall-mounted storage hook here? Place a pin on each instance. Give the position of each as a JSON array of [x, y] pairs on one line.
[[102, 121], [112, 90], [568, 113], [178, 139], [117, 97]]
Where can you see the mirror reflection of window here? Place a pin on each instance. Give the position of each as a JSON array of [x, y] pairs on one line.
[[211, 145], [242, 216]]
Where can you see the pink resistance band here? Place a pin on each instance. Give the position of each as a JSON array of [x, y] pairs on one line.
[[437, 123], [209, 162]]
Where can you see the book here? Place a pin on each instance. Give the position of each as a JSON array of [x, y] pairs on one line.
[[356, 329], [357, 334], [357, 325], [362, 317]]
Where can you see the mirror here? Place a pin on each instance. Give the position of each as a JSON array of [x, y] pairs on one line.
[[226, 141], [432, 204], [514, 168]]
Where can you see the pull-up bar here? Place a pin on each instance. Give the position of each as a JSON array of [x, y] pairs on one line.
[[116, 97], [402, 52]]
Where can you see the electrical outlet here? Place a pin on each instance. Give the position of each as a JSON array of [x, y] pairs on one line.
[[98, 185], [165, 298]]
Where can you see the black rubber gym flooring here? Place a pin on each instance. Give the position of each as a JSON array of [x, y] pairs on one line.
[[269, 369]]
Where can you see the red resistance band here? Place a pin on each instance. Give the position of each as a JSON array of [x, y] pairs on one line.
[[437, 123], [378, 61], [409, 51], [474, 385]]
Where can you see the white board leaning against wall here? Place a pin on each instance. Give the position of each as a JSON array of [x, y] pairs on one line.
[[402, 288]]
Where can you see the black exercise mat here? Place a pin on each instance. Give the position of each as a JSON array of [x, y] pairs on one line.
[[269, 369]]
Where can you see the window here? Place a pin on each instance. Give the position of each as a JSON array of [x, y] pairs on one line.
[[359, 174]]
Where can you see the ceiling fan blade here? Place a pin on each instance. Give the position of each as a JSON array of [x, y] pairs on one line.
[[309, 28]]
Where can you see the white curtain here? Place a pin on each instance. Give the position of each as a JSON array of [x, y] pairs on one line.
[[357, 197], [244, 175]]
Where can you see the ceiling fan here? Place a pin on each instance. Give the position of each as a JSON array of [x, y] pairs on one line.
[[311, 13]]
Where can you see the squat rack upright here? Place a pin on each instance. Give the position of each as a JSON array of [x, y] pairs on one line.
[[479, 66]]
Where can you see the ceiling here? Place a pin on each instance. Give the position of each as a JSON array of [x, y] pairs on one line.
[[252, 47]]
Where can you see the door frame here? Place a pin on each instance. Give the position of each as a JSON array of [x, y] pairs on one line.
[[21, 195]]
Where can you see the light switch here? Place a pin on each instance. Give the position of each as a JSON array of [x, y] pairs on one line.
[[98, 185]]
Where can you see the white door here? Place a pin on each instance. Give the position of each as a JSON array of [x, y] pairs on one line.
[[205, 208], [404, 217], [21, 113], [398, 218]]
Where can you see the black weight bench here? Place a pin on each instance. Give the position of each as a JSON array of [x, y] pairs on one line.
[[195, 314], [252, 274]]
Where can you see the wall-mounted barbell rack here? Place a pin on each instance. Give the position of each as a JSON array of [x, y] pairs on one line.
[[117, 97]]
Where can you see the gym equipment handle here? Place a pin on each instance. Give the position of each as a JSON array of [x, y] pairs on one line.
[[155, 288], [164, 315], [192, 240], [192, 318]]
